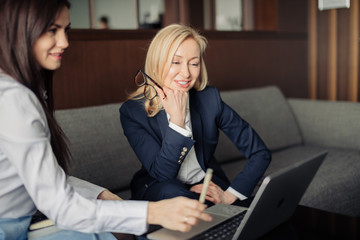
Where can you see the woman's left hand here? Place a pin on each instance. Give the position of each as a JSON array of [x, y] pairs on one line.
[[215, 194]]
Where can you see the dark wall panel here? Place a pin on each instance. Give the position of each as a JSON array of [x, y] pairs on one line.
[[271, 59], [98, 71]]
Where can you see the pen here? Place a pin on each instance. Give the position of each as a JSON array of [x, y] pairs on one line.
[[207, 179]]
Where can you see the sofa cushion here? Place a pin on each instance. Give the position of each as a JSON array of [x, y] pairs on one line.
[[268, 112], [334, 188], [101, 153], [280, 159]]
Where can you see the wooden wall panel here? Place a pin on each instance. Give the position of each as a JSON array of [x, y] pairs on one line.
[[353, 66], [332, 88], [322, 55], [336, 53], [266, 15], [171, 13], [187, 12], [293, 15], [312, 49], [237, 62], [343, 39], [98, 71]]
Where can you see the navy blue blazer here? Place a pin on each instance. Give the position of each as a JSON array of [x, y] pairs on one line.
[[161, 149]]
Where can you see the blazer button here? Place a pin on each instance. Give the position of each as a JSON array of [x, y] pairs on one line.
[[180, 161], [184, 149]]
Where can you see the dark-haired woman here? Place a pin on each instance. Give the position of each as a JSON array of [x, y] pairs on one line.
[[33, 151]]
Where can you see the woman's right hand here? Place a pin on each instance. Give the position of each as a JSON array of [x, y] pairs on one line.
[[174, 103], [178, 213]]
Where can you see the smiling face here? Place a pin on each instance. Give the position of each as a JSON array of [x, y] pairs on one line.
[[185, 66], [50, 46]]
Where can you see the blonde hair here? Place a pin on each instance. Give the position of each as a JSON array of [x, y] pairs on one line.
[[159, 57]]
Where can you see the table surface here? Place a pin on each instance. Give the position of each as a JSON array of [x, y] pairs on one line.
[[314, 224], [310, 224]]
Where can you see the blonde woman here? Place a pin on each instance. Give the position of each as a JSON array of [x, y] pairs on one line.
[[173, 120]]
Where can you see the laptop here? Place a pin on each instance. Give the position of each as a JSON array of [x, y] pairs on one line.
[[273, 204]]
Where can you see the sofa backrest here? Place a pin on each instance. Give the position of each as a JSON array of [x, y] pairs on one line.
[[101, 152], [268, 112], [328, 123], [103, 156]]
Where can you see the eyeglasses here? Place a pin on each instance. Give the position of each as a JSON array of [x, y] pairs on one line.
[[149, 90]]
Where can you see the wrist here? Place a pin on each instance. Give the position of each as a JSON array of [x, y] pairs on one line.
[[229, 197], [179, 123], [107, 195], [151, 217]]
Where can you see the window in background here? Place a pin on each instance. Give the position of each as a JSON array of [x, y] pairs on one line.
[[228, 15], [118, 14], [223, 15], [79, 12], [150, 13]]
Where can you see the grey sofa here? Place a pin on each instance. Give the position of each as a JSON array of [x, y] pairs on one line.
[[293, 129]]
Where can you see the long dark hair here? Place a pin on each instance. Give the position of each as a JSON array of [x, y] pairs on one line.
[[22, 22]]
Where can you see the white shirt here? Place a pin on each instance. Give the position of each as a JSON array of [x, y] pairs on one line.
[[190, 171], [31, 178]]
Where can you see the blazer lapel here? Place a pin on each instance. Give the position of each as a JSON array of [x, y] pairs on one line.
[[196, 123], [161, 122]]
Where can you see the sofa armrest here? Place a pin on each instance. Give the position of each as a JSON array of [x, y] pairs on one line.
[[328, 123]]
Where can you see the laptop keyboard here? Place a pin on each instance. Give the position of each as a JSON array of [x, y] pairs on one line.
[[224, 230]]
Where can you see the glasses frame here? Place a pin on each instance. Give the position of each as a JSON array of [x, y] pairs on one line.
[[147, 84]]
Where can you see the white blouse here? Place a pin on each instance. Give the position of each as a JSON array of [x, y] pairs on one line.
[[31, 178], [190, 171]]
